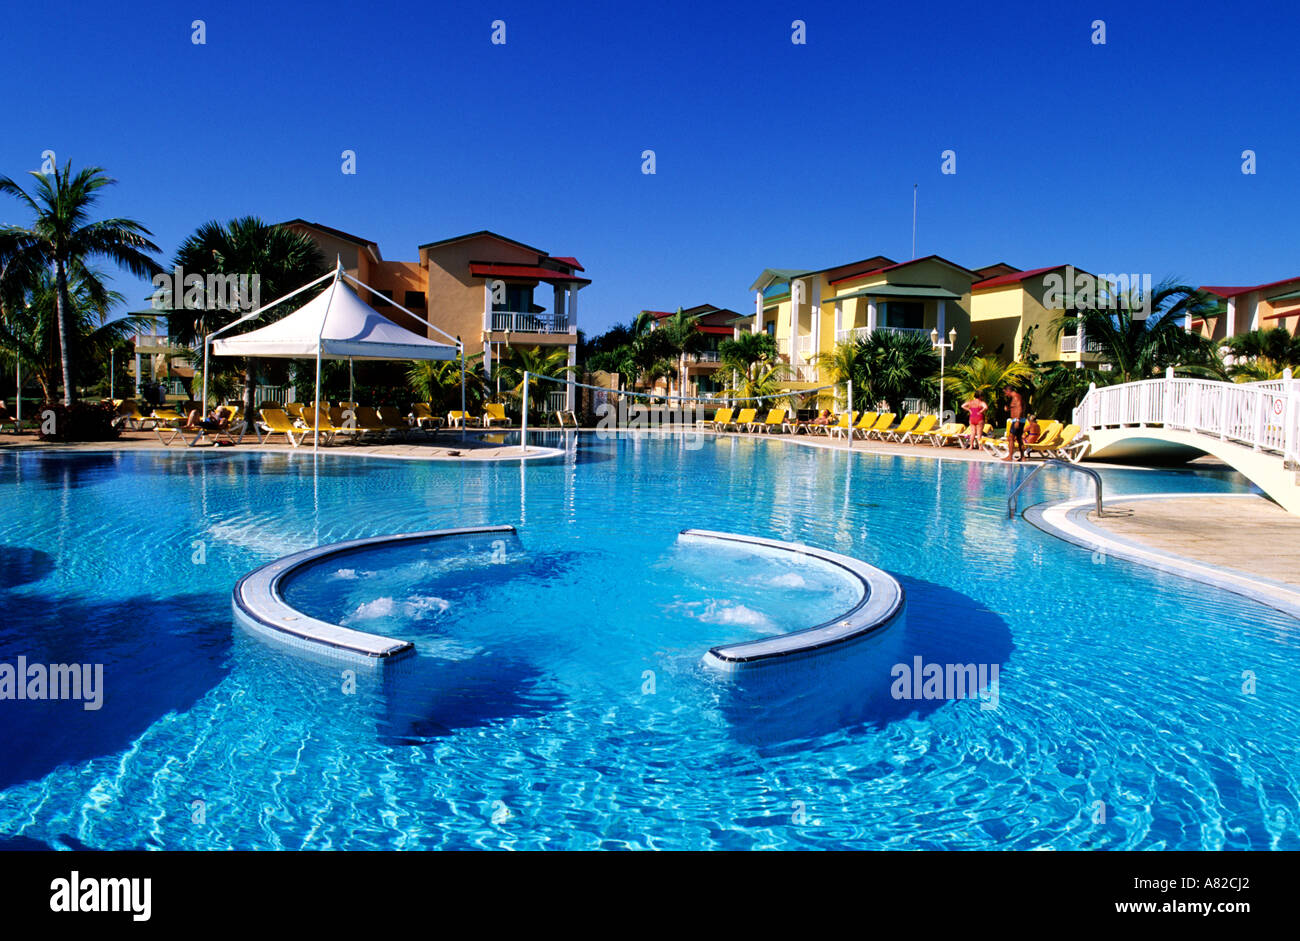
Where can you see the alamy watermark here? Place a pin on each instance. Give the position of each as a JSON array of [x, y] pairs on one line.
[[919, 680], [662, 420], [40, 681], [1079, 290], [176, 289]]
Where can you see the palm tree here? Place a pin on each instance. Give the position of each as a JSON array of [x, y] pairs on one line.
[[985, 376], [541, 361], [1263, 354], [282, 260], [746, 352], [1142, 347], [438, 382], [764, 382], [29, 329], [896, 367], [682, 335], [62, 239]]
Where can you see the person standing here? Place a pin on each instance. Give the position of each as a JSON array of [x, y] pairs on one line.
[[976, 410], [1016, 410]]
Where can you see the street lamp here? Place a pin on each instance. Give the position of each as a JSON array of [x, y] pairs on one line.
[[943, 348]]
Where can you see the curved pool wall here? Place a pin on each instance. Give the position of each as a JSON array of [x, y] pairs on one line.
[[259, 604], [879, 605]]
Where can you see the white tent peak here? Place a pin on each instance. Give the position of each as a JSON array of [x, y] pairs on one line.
[[336, 324]]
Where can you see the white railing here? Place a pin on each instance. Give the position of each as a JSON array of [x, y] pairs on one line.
[[513, 321], [1070, 344], [707, 356], [1264, 416], [557, 401], [277, 394], [805, 346], [802, 373], [861, 333]]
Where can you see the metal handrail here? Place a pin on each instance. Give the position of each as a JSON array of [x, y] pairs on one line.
[[1096, 479]]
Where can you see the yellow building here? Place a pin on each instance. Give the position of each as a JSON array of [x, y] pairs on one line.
[[1008, 305], [809, 311]]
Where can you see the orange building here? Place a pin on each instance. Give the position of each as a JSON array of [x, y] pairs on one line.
[[481, 287]]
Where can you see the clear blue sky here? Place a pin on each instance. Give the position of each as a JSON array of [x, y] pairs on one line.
[[1122, 157]]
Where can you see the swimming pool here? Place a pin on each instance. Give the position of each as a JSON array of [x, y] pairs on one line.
[[564, 704]]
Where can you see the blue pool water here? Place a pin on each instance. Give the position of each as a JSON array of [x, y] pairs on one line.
[[561, 702]]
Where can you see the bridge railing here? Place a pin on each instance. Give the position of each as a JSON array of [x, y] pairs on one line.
[[1264, 416]]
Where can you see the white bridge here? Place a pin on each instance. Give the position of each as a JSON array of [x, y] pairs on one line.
[[1252, 427]]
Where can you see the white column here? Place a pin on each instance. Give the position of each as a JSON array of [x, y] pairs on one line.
[[1254, 314], [573, 309], [816, 316], [1081, 339], [487, 356], [571, 389], [939, 319], [758, 312], [1231, 326], [871, 315], [558, 310], [839, 319], [487, 305]]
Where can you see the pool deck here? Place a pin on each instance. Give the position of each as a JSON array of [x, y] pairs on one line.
[[1249, 534]]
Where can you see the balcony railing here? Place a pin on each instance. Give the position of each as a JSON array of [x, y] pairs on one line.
[[1070, 344], [706, 356], [861, 333], [511, 321]]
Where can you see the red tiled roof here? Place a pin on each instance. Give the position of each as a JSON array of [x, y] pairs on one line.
[[1223, 290], [481, 269], [570, 261], [1013, 278], [900, 264]]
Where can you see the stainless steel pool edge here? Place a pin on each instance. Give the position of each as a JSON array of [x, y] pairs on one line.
[[1067, 520], [259, 605], [880, 605]]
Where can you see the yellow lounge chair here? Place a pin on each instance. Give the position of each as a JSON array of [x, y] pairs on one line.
[[742, 420], [843, 423], [369, 422], [459, 419], [775, 419], [881, 427], [720, 419], [1000, 446], [494, 412], [865, 421], [422, 416], [952, 431], [902, 428], [276, 421], [922, 429]]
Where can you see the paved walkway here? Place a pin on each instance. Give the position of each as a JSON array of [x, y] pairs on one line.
[[1252, 535]]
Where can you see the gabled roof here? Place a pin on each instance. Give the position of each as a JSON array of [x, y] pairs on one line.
[[772, 275], [482, 232], [1013, 278], [995, 270], [487, 269], [338, 233], [1226, 291], [570, 261], [903, 264]]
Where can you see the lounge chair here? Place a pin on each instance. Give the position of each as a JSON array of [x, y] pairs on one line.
[[775, 419], [843, 423], [276, 421], [922, 429], [494, 412], [1000, 445], [742, 420], [422, 417], [865, 421], [129, 415], [903, 428], [881, 427], [393, 420], [945, 434], [369, 422], [459, 419], [720, 419]]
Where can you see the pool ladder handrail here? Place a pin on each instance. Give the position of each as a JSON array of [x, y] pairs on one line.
[[1096, 479]]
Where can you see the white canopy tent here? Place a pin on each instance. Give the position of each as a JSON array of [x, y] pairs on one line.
[[336, 324]]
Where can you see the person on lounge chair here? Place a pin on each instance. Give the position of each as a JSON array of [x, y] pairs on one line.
[[823, 419], [217, 420], [1032, 430]]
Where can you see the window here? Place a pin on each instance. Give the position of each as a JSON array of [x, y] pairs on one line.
[[386, 301], [519, 298], [413, 299], [770, 328], [903, 314]]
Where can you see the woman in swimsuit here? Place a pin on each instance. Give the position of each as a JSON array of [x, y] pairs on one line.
[[975, 410]]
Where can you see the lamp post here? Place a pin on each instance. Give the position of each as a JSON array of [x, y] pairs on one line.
[[943, 348]]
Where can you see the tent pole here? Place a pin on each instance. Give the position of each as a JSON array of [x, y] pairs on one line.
[[315, 404], [351, 395], [203, 407], [523, 434], [464, 418]]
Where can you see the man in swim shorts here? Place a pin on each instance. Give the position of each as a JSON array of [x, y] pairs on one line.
[[1016, 430]]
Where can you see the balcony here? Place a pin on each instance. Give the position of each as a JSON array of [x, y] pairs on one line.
[[861, 333], [511, 321], [707, 356], [1070, 344]]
